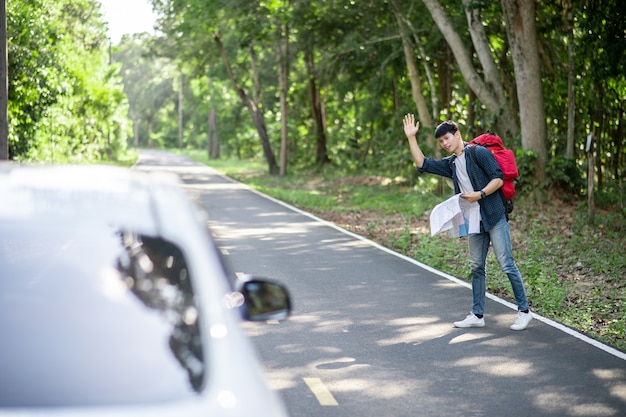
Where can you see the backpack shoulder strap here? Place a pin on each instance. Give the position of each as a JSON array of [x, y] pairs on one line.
[[472, 151], [473, 154]]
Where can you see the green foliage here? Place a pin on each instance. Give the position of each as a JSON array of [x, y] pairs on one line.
[[65, 102], [565, 175], [442, 254], [525, 161], [612, 196], [554, 265], [58, 67], [353, 56], [33, 69]]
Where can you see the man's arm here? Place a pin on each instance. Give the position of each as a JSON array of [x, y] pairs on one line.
[[491, 187], [410, 130]]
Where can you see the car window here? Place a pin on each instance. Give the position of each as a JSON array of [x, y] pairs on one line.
[[92, 315]]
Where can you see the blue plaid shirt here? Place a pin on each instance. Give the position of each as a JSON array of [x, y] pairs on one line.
[[491, 207]]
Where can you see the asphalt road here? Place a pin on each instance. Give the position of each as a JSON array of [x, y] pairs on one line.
[[371, 332]]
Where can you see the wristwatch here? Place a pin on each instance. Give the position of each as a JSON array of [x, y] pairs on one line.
[[482, 194]]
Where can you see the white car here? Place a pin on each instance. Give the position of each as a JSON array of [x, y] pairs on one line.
[[115, 301]]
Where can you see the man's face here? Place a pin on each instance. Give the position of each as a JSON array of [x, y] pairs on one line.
[[450, 142]]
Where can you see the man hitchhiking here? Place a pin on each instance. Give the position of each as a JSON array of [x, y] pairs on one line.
[[475, 183]]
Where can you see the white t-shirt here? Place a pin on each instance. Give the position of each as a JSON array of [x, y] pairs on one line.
[[461, 174], [471, 211]]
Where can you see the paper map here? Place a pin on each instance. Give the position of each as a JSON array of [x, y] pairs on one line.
[[456, 216]]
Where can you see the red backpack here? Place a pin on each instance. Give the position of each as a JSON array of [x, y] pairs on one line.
[[504, 157]]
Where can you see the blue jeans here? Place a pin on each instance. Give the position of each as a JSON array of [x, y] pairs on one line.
[[500, 238]]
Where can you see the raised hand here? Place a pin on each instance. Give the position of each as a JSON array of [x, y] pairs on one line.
[[410, 126]]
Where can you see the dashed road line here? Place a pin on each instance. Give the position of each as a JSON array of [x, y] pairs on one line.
[[320, 391]]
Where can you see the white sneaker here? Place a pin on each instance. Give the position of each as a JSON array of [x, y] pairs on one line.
[[522, 320], [470, 321]]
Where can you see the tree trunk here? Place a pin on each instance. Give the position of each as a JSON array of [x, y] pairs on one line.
[[180, 112], [259, 117], [482, 48], [316, 108], [150, 130], [591, 206], [507, 124], [252, 106], [471, 114], [485, 56], [430, 78], [282, 44], [444, 76], [411, 62], [135, 119], [213, 142], [519, 16], [571, 97]]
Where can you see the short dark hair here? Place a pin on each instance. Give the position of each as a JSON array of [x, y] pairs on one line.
[[446, 127]]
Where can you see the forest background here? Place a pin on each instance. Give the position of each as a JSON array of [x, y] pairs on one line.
[[318, 88]]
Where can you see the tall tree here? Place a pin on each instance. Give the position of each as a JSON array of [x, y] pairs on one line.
[[519, 16], [253, 104], [316, 108], [65, 100], [192, 24], [411, 62], [490, 93], [571, 79], [282, 64], [213, 140], [307, 21]]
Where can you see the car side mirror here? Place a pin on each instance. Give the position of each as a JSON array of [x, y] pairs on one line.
[[264, 299]]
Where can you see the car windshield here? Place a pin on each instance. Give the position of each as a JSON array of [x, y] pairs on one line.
[[92, 315]]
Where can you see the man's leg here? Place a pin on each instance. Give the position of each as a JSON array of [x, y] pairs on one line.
[[478, 247], [501, 241]]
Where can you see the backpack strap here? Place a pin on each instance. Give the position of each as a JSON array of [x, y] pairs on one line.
[[472, 149], [507, 210]]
